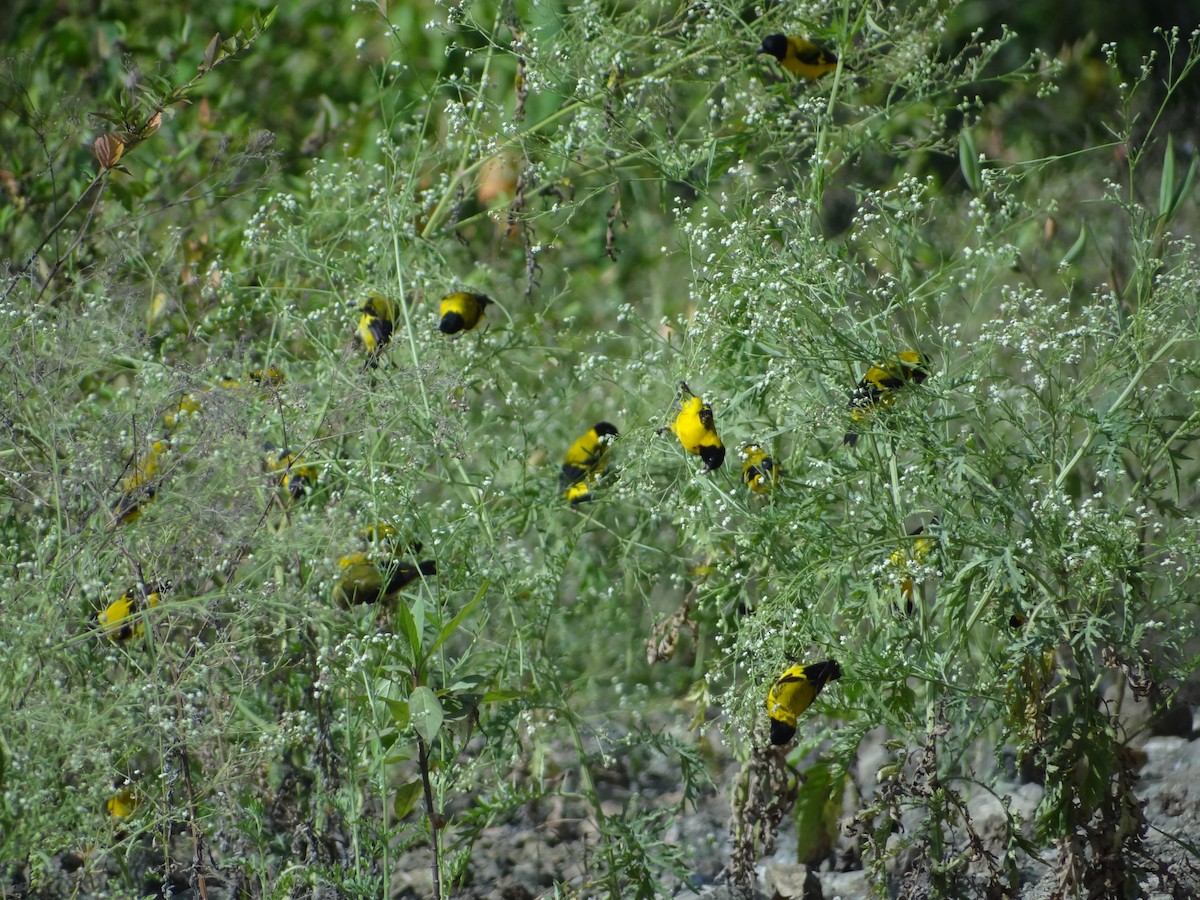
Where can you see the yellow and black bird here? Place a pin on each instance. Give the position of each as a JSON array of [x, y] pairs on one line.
[[298, 477], [383, 534], [759, 471], [799, 56], [362, 581], [139, 486], [578, 492], [696, 429], [384, 538], [122, 620], [905, 559], [461, 311], [269, 379], [375, 326], [793, 692], [585, 460], [186, 409], [877, 389], [124, 802]]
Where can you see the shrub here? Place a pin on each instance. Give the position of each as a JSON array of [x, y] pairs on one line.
[[645, 201]]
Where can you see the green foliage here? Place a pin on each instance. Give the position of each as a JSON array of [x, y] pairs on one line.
[[645, 201]]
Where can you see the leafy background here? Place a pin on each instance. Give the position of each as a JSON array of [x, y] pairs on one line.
[[646, 200]]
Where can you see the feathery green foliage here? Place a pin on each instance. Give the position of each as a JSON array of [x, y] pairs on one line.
[[645, 201]]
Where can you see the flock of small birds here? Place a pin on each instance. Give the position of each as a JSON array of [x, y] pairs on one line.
[[386, 564]]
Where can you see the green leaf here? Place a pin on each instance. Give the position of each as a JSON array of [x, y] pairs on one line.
[[400, 710], [407, 796], [450, 627], [427, 714], [1076, 248], [818, 806], [965, 572], [408, 628], [418, 613], [968, 160], [874, 26], [1185, 188], [459, 706], [467, 684], [1016, 578], [1166, 183], [1170, 195], [210, 52], [502, 696]]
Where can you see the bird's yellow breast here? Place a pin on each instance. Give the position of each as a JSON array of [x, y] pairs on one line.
[[694, 425]]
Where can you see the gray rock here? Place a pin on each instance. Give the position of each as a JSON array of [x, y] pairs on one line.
[[792, 882], [718, 892], [846, 885]]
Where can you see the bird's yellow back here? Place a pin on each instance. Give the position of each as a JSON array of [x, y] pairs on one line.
[[461, 311], [799, 56], [793, 692], [877, 388], [587, 454], [374, 332]]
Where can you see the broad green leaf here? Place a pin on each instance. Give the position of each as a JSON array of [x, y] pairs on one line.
[[407, 796], [818, 806], [427, 714], [400, 710], [210, 52], [469, 683]]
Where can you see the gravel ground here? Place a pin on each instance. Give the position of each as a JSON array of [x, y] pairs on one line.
[[554, 841], [522, 862]]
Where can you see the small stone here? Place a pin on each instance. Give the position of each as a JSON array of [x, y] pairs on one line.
[[846, 885], [789, 882]]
